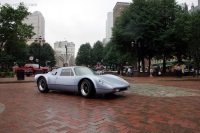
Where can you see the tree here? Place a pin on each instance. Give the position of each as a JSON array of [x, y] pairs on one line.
[[84, 55], [194, 37], [150, 25], [181, 40], [138, 26], [110, 55], [14, 33], [97, 52], [46, 53]]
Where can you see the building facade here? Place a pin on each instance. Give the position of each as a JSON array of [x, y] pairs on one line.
[[195, 8], [37, 20], [66, 51], [109, 26], [119, 7], [111, 17]]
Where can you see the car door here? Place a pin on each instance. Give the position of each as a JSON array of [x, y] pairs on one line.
[[52, 79], [65, 80]]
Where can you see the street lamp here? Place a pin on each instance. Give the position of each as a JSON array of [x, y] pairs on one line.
[[40, 42], [197, 62], [47, 62], [137, 45], [66, 64]]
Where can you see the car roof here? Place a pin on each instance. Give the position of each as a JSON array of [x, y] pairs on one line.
[[72, 67]]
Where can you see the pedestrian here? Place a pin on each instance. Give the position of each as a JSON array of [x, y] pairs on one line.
[[175, 70], [179, 71], [158, 70], [129, 72], [151, 71], [121, 70]]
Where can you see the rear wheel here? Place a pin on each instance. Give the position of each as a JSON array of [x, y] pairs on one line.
[[86, 88], [42, 85]]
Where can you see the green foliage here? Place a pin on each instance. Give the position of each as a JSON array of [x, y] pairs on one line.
[[84, 55], [180, 37], [194, 37], [13, 33], [157, 28], [97, 53], [6, 59], [43, 53], [6, 73], [110, 54]]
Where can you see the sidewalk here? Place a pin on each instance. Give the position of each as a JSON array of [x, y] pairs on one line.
[[129, 79], [153, 79], [14, 80]]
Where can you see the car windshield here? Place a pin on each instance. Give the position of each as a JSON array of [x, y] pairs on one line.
[[84, 71], [35, 66]]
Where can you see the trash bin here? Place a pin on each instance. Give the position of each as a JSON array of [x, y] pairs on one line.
[[20, 75]]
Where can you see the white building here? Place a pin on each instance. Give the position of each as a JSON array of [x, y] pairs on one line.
[[61, 48], [109, 26], [37, 20], [195, 8]]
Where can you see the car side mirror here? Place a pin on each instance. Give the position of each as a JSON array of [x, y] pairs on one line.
[[54, 73]]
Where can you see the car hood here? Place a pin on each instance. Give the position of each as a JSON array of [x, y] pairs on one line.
[[114, 80]]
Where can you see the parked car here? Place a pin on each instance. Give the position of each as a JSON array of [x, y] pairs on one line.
[[30, 69], [81, 80]]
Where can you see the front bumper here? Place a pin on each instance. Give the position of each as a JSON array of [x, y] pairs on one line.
[[113, 90]]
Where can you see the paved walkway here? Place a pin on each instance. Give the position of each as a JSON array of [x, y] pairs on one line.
[[14, 80], [152, 105]]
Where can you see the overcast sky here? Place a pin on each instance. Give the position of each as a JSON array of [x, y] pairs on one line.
[[77, 21]]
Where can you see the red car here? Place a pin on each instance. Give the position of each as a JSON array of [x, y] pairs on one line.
[[30, 69]]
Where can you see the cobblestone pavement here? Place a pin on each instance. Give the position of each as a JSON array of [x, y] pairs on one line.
[[152, 105]]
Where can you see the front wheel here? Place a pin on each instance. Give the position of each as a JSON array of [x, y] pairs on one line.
[[42, 85], [86, 88]]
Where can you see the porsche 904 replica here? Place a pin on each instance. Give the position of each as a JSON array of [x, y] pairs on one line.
[[81, 80]]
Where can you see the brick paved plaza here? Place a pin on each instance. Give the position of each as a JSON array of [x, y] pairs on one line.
[[152, 105]]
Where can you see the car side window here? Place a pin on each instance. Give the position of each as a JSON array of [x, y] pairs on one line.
[[66, 72]]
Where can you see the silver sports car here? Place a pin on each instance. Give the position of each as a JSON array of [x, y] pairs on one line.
[[81, 80]]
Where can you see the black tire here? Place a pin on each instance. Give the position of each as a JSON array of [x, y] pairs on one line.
[[86, 88], [42, 85]]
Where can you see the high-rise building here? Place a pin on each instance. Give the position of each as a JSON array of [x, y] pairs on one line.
[[195, 8], [111, 17], [109, 26], [66, 50], [36, 19], [119, 7], [184, 6]]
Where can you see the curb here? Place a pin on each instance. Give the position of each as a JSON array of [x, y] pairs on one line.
[[10, 82]]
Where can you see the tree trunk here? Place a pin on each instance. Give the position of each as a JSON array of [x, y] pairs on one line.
[[143, 64], [164, 64], [149, 65]]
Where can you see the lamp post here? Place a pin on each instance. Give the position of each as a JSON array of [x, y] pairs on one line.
[[197, 62], [137, 45], [47, 62], [89, 58], [40, 42], [66, 56]]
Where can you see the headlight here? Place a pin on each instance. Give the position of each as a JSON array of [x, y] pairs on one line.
[[100, 81]]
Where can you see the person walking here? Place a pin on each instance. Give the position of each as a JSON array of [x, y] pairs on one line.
[[179, 71]]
